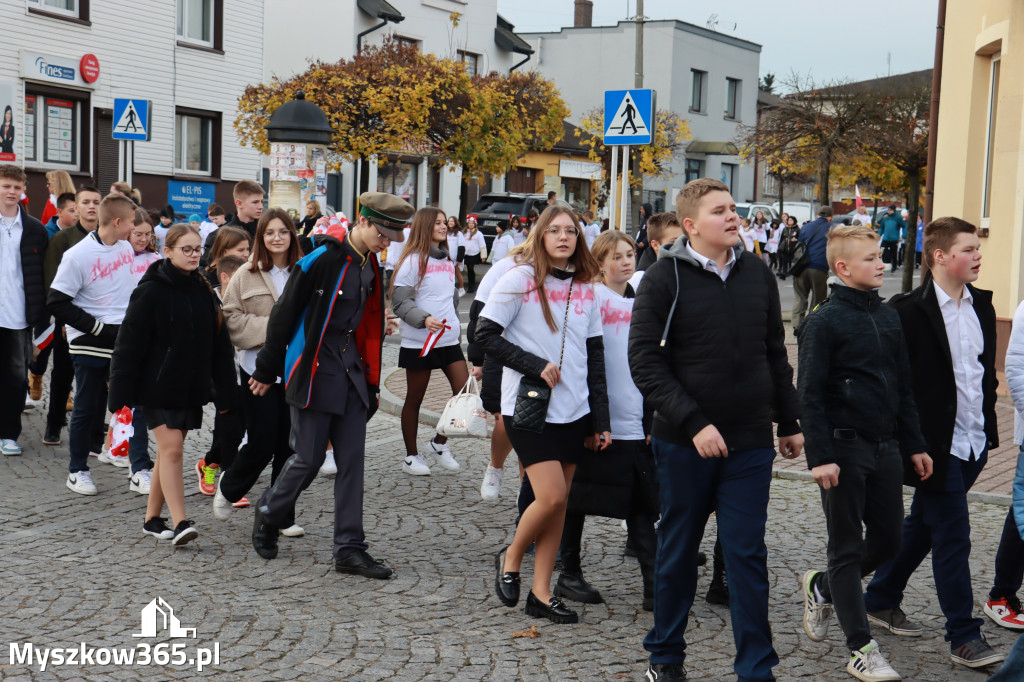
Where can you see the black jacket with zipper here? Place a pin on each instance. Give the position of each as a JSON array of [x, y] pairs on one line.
[[932, 376], [172, 351], [855, 374], [703, 351]]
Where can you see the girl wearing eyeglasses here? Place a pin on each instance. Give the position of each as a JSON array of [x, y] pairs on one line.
[[543, 323], [172, 356], [423, 297], [248, 300]]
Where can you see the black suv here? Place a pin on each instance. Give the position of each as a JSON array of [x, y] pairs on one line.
[[496, 207]]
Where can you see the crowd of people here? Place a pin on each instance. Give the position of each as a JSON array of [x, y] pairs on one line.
[[645, 380]]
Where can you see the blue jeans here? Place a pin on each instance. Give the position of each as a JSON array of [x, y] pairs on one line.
[[737, 487], [90, 411], [138, 444], [1013, 667], [938, 523]]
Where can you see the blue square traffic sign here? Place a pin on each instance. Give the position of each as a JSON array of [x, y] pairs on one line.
[[131, 119], [628, 116]]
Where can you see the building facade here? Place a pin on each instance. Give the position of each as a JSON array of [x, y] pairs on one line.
[[63, 63], [708, 78], [479, 37], [979, 168]]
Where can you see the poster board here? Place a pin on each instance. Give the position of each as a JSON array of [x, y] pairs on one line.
[[298, 174]]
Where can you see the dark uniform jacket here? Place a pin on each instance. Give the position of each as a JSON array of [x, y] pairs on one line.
[[327, 324]]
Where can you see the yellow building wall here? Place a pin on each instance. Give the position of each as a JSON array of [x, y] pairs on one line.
[[975, 31], [549, 180]]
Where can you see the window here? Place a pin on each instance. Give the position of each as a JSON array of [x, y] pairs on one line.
[[407, 42], [771, 183], [694, 169], [395, 177], [993, 105], [195, 21], [52, 130], [729, 175], [469, 61], [193, 148], [732, 98], [700, 79], [64, 9]]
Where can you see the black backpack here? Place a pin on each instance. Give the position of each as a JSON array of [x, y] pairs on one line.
[[801, 257]]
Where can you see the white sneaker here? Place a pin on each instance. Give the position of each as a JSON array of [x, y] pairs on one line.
[[293, 531], [491, 486], [140, 481], [9, 447], [816, 616], [117, 460], [81, 483], [329, 467], [416, 465], [443, 456], [221, 505], [869, 664]]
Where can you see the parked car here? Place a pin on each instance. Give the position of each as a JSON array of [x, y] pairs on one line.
[[803, 211], [746, 210], [495, 208]]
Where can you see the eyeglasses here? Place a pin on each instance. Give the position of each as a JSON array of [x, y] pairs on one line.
[[140, 235], [189, 250], [568, 231], [270, 236]]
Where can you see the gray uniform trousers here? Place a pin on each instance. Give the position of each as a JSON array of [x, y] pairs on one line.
[[311, 430]]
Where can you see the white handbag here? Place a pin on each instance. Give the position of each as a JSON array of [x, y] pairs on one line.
[[464, 415]]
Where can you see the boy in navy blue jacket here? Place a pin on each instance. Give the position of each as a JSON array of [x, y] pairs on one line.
[[858, 412]]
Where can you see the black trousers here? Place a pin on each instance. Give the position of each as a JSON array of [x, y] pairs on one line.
[[471, 263], [269, 423], [228, 431], [61, 378], [869, 495], [15, 354]]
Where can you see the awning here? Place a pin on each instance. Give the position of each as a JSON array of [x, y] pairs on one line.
[[705, 147], [381, 9], [506, 39]]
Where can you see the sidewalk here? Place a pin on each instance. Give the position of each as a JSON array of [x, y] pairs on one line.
[[995, 484]]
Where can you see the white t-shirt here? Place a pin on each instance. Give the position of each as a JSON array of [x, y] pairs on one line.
[[625, 403], [98, 278], [161, 234], [518, 236], [12, 279], [501, 246], [454, 242], [435, 295], [142, 262], [491, 278], [474, 243], [514, 304], [634, 281], [395, 251], [748, 237], [591, 232], [205, 228]]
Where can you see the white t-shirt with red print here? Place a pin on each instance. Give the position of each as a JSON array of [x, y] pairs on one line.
[[515, 305], [625, 403], [435, 294], [98, 278]]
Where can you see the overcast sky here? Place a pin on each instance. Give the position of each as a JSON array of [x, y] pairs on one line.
[[824, 38]]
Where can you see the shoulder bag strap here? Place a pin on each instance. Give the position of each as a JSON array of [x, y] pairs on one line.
[[565, 324]]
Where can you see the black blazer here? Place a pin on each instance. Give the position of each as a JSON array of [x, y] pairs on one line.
[[7, 139], [932, 375]]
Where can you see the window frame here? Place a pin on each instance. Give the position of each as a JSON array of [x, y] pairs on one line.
[[78, 15], [732, 99], [216, 42], [81, 130], [700, 89], [991, 119], [699, 170], [213, 120], [732, 168], [406, 40], [466, 58], [771, 184]]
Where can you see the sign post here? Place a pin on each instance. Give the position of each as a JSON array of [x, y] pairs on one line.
[[628, 120]]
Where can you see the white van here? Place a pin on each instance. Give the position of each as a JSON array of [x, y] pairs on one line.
[[801, 210]]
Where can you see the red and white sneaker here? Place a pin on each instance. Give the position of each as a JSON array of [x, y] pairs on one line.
[[242, 503], [1006, 612], [207, 476]]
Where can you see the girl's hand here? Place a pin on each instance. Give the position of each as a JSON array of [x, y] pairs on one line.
[[551, 374], [604, 439], [477, 372], [433, 324]]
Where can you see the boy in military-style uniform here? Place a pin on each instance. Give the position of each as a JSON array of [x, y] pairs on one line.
[[324, 338]]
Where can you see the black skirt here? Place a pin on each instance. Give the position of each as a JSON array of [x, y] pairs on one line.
[[186, 419], [557, 442], [439, 357]]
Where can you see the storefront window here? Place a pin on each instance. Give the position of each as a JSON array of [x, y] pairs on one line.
[[52, 131], [395, 177], [577, 192]]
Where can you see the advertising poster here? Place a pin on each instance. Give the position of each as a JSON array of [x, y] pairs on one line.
[[10, 128], [298, 174]]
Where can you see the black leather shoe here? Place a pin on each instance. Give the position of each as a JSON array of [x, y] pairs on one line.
[[665, 672], [358, 562], [264, 537], [702, 558], [575, 588], [554, 610], [648, 604], [718, 593], [506, 583]]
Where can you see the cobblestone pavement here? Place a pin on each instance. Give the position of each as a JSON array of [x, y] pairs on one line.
[[78, 569]]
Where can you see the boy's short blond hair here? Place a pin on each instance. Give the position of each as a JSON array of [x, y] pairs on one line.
[[659, 223], [691, 194], [840, 238]]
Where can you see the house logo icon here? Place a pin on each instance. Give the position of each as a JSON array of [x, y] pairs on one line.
[[158, 615]]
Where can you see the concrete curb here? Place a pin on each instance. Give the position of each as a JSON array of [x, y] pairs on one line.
[[987, 498]]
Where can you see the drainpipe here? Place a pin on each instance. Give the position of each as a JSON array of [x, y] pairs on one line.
[[516, 66], [933, 115], [359, 38]]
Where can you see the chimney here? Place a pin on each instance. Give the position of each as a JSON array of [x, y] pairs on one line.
[[584, 16]]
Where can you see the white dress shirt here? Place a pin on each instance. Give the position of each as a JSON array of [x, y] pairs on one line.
[[12, 282], [966, 343], [712, 266]]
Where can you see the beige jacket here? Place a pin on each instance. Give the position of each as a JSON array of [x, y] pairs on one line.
[[248, 300]]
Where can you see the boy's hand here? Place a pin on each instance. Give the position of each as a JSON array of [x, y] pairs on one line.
[[790, 447], [826, 475], [709, 443], [922, 465]]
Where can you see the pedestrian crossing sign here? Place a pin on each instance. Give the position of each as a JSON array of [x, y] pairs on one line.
[[628, 116], [131, 119]]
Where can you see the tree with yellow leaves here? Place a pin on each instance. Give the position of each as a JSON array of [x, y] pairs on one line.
[[392, 95]]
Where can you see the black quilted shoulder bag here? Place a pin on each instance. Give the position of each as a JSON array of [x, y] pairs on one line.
[[534, 393]]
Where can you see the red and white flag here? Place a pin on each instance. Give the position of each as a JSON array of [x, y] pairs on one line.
[[44, 339], [857, 197], [434, 337]]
